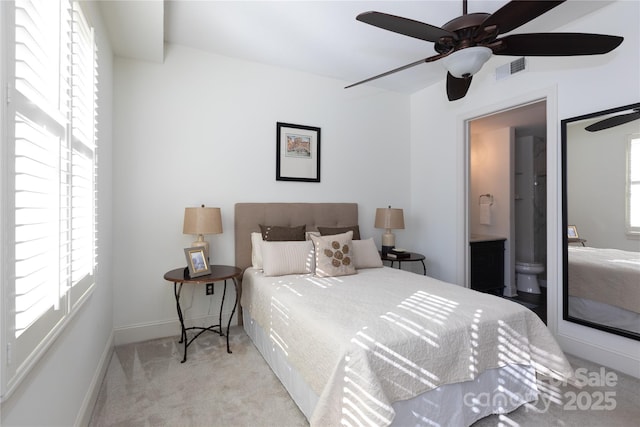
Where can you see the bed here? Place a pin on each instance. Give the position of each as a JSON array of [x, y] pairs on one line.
[[383, 346], [604, 286]]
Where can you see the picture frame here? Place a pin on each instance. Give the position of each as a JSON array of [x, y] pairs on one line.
[[197, 261], [297, 153], [572, 232]]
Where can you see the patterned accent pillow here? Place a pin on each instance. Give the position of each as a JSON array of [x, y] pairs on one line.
[[334, 255], [277, 233], [328, 231]]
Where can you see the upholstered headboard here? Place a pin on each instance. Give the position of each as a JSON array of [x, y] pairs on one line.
[[249, 216]]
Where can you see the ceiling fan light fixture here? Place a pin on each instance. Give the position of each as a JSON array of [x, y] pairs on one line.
[[466, 62]]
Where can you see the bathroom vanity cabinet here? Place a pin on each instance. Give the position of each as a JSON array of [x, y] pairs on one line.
[[487, 264]]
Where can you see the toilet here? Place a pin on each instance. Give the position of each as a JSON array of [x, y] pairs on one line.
[[527, 280]]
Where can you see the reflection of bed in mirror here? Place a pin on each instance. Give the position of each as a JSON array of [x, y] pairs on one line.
[[599, 196], [382, 346], [604, 286]]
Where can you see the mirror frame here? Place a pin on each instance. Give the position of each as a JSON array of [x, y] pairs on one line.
[[565, 241]]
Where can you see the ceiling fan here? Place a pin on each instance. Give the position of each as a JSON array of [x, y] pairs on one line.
[[465, 43], [614, 121]]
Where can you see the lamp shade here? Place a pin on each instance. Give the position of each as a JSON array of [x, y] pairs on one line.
[[466, 62], [202, 221], [389, 218]]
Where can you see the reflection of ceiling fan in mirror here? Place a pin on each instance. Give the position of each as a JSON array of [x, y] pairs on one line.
[[465, 43], [614, 121]]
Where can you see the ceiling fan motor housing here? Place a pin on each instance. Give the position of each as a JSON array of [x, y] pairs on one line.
[[464, 29]]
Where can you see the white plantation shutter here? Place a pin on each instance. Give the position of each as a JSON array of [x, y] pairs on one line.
[[83, 158], [50, 176]]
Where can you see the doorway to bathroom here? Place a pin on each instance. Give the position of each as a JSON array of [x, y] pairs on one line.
[[507, 209]]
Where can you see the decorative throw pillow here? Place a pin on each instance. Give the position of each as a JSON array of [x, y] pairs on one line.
[[277, 233], [328, 231], [256, 250], [365, 254], [281, 258], [334, 255]]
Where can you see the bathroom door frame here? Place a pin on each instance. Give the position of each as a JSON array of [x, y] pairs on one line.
[[554, 223]]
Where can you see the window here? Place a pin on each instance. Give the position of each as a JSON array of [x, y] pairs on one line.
[[49, 190], [633, 185]]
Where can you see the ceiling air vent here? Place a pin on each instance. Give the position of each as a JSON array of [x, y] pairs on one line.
[[513, 67]]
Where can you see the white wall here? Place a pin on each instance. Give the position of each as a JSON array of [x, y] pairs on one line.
[[596, 164], [201, 129], [575, 86], [490, 172], [62, 388]]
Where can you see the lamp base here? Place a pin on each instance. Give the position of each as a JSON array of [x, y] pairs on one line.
[[388, 241], [202, 243], [386, 249]]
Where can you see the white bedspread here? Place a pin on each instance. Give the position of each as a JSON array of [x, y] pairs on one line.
[[610, 276], [364, 341]]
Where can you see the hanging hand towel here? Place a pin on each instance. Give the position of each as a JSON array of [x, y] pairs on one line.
[[485, 213]]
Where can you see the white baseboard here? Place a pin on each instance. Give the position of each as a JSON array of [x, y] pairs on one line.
[[153, 330], [625, 363], [89, 402], [145, 332]]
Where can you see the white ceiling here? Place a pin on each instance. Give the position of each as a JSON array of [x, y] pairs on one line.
[[319, 37], [136, 28]]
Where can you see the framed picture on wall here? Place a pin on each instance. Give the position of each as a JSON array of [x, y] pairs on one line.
[[572, 232], [197, 261], [297, 153]]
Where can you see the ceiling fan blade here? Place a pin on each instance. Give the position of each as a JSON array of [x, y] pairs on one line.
[[556, 44], [457, 88], [405, 26], [395, 70], [517, 13], [613, 121]]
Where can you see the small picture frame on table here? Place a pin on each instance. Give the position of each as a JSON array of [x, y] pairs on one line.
[[572, 232], [197, 261], [297, 153]]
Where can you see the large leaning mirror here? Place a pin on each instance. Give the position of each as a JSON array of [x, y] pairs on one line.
[[601, 216]]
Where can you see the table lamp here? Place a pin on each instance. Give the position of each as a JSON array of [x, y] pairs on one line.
[[201, 221], [389, 219]]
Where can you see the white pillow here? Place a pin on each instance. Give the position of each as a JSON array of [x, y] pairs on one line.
[[365, 254], [308, 234], [256, 250], [334, 255], [281, 258]]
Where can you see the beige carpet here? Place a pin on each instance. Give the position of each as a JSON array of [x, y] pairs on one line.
[[146, 385]]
